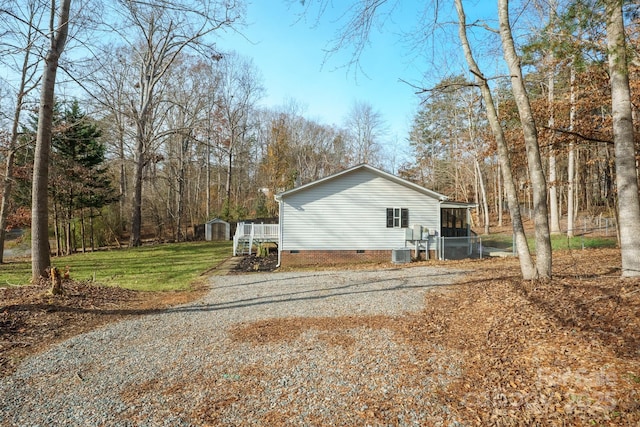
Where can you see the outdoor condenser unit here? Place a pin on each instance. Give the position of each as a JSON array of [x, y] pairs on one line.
[[401, 255]]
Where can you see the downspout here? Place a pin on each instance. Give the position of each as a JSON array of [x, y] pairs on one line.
[[439, 242], [277, 197]]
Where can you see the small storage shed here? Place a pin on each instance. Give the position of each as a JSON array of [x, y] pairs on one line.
[[361, 214], [217, 229]]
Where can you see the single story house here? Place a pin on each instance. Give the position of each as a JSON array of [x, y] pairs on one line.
[[364, 214]]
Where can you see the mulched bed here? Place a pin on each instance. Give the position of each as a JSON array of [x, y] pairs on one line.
[[253, 263]]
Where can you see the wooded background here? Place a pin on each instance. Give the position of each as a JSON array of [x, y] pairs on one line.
[[159, 129]]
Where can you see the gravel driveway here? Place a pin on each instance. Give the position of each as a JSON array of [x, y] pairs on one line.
[[187, 366]]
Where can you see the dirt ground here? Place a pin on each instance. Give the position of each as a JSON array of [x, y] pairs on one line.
[[565, 352]]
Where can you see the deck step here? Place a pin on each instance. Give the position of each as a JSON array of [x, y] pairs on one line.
[[248, 234]]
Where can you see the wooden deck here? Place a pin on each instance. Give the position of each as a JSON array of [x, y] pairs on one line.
[[248, 235]]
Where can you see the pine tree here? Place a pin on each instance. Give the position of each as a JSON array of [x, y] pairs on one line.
[[79, 178]]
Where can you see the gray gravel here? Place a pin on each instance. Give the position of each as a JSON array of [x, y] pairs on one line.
[[182, 367]]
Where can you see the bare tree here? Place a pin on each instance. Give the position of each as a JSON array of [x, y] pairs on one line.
[[111, 84], [158, 31], [40, 208], [553, 171], [526, 262], [534, 162], [626, 170], [365, 127], [23, 24], [571, 157], [239, 89], [185, 116]]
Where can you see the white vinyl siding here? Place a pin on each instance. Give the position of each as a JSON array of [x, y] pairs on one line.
[[350, 213]]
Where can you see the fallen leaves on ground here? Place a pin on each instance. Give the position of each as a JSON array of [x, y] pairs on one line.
[[562, 352], [496, 350], [31, 319]]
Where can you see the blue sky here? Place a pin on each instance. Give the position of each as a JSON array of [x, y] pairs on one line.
[[290, 53]]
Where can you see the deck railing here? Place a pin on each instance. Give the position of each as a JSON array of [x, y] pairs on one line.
[[247, 234]]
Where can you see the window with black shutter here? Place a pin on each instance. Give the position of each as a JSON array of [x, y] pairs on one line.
[[404, 218], [397, 217]]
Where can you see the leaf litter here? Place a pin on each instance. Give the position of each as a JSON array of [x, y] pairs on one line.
[[503, 351], [489, 350]]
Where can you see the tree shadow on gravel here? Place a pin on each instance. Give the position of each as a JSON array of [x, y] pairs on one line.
[[31, 319]]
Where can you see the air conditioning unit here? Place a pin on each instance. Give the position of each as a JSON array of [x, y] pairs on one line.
[[401, 255]]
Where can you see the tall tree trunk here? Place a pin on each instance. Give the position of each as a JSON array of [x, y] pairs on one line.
[[82, 232], [553, 173], [70, 239], [143, 118], [123, 178], [40, 256], [526, 262], [553, 193], [136, 215], [553, 179], [208, 166], [626, 171], [500, 194], [228, 184], [534, 162], [8, 181], [141, 156], [571, 160], [67, 236], [483, 194], [56, 228], [180, 196], [91, 231]]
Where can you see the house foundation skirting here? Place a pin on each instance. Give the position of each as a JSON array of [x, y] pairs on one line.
[[335, 257]]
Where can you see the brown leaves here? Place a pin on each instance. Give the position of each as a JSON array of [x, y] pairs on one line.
[[490, 350], [499, 351], [31, 318]]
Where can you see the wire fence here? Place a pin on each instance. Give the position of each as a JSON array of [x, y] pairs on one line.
[[452, 248], [586, 228], [589, 231], [594, 225], [587, 224]]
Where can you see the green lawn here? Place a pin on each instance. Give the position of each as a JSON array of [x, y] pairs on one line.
[[148, 268], [558, 242]]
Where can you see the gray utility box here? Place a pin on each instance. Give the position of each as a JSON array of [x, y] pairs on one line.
[[416, 232], [408, 234], [401, 255]]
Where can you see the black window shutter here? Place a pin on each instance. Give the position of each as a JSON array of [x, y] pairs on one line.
[[389, 217], [404, 218]]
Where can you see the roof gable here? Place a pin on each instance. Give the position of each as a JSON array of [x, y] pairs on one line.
[[368, 168]]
